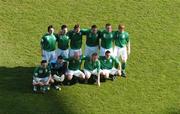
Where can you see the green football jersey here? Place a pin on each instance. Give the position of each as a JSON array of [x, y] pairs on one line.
[[63, 41], [76, 39], [74, 64], [42, 72], [91, 65], [109, 63], [92, 39], [121, 39], [48, 42], [107, 39]]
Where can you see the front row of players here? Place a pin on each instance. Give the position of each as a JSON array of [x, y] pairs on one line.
[[69, 71]]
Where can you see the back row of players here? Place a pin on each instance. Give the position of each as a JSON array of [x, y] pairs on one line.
[[112, 47]]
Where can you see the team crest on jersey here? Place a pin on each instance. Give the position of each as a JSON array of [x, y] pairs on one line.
[[123, 36], [40, 71], [104, 35], [54, 38], [110, 60]]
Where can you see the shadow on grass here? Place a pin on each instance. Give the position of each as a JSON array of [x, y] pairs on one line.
[[16, 94], [173, 110]]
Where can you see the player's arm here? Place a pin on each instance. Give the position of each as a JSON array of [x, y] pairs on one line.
[[69, 33], [128, 45], [128, 48], [100, 37], [35, 74], [98, 76], [84, 31], [49, 76], [114, 36], [41, 44]]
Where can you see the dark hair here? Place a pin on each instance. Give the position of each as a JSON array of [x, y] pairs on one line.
[[93, 26], [43, 61], [107, 52], [60, 57], [49, 27], [76, 26], [63, 26], [94, 54], [108, 24]]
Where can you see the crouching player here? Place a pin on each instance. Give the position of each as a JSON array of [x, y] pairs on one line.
[[42, 77], [58, 69], [74, 67], [92, 67], [110, 66]]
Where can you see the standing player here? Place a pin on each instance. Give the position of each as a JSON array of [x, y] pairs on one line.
[[122, 46], [92, 41], [63, 42], [107, 37], [110, 66], [92, 67], [48, 45], [74, 67], [75, 40], [42, 77]]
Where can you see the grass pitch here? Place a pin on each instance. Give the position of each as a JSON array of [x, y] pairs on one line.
[[153, 83]]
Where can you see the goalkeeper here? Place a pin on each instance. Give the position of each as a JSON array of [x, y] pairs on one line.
[[58, 69]]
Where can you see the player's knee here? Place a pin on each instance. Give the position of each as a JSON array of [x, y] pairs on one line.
[[69, 77], [52, 80], [106, 75], [119, 72], [82, 76], [87, 76], [103, 73]]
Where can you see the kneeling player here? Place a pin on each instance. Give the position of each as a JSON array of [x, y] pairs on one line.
[[42, 77], [110, 66], [92, 67], [74, 67], [58, 69]]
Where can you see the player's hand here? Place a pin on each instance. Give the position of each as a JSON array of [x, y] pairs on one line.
[[47, 83]]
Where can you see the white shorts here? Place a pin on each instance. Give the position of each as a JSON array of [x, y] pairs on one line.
[[64, 53], [103, 51], [90, 50], [76, 73], [112, 71], [37, 80], [72, 51], [120, 52], [88, 72], [49, 56]]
